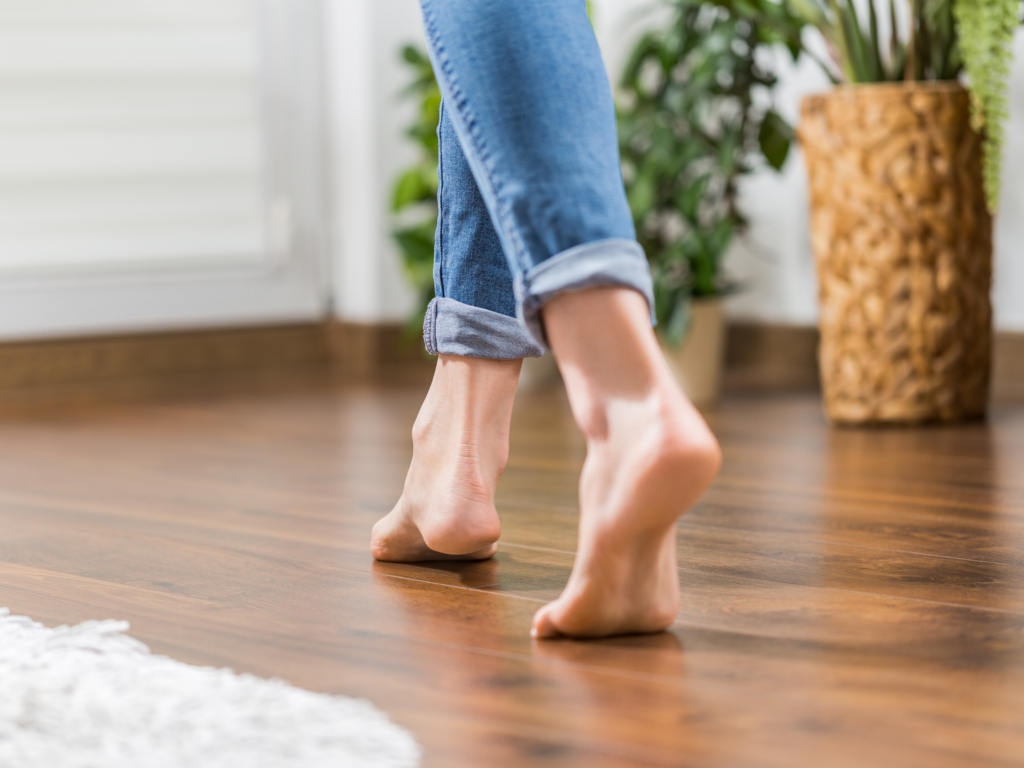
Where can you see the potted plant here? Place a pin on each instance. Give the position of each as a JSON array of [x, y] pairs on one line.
[[904, 165], [695, 116], [414, 195]]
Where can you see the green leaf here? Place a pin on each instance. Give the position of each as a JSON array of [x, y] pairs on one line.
[[417, 246], [874, 44], [691, 197], [641, 194], [897, 51], [775, 138], [720, 239], [987, 28], [727, 150], [409, 189], [414, 56], [855, 43], [691, 124], [808, 11], [417, 185], [678, 320]]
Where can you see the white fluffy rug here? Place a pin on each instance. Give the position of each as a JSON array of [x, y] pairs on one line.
[[89, 696]]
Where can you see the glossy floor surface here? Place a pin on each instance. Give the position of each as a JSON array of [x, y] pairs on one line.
[[850, 598]]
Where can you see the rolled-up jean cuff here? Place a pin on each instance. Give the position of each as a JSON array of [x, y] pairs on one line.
[[453, 328], [613, 262]]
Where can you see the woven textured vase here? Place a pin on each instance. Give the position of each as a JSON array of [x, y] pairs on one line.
[[903, 243]]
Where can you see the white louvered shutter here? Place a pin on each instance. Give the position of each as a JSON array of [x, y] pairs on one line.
[[136, 144]]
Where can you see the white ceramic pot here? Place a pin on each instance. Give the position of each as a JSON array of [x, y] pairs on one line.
[[698, 361]]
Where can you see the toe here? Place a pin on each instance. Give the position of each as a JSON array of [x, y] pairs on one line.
[[379, 540], [543, 625], [394, 539], [485, 553]]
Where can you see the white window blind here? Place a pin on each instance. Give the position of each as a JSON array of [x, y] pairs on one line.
[[130, 134], [160, 164]]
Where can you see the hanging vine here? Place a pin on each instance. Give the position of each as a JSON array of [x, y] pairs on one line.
[[986, 30]]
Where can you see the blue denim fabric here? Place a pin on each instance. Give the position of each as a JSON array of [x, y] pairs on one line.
[[475, 312], [531, 197], [463, 329]]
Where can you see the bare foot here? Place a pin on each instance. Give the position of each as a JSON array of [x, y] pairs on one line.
[[650, 456], [460, 448]]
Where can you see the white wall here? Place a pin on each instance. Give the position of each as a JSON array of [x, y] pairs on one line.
[[774, 261], [1009, 271], [367, 122]]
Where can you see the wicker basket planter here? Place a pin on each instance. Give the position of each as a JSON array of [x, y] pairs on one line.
[[903, 245]]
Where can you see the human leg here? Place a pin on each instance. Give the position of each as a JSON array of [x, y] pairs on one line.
[[527, 95], [650, 456], [473, 313], [532, 108], [460, 439], [460, 447]]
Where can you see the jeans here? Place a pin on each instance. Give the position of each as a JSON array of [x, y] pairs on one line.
[[531, 201]]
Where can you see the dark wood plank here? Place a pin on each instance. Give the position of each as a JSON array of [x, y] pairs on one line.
[[850, 595], [649, 716]]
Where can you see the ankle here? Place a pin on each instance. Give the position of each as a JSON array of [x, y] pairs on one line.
[[663, 425], [468, 446], [469, 399], [479, 377]]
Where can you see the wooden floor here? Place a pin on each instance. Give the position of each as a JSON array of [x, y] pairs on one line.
[[851, 598]]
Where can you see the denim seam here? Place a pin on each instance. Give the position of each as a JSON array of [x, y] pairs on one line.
[[469, 124], [440, 208], [429, 327]]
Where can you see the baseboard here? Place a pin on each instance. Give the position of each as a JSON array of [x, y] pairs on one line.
[[25, 365], [766, 357], [376, 352], [130, 365], [1008, 367], [771, 357], [760, 358]]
